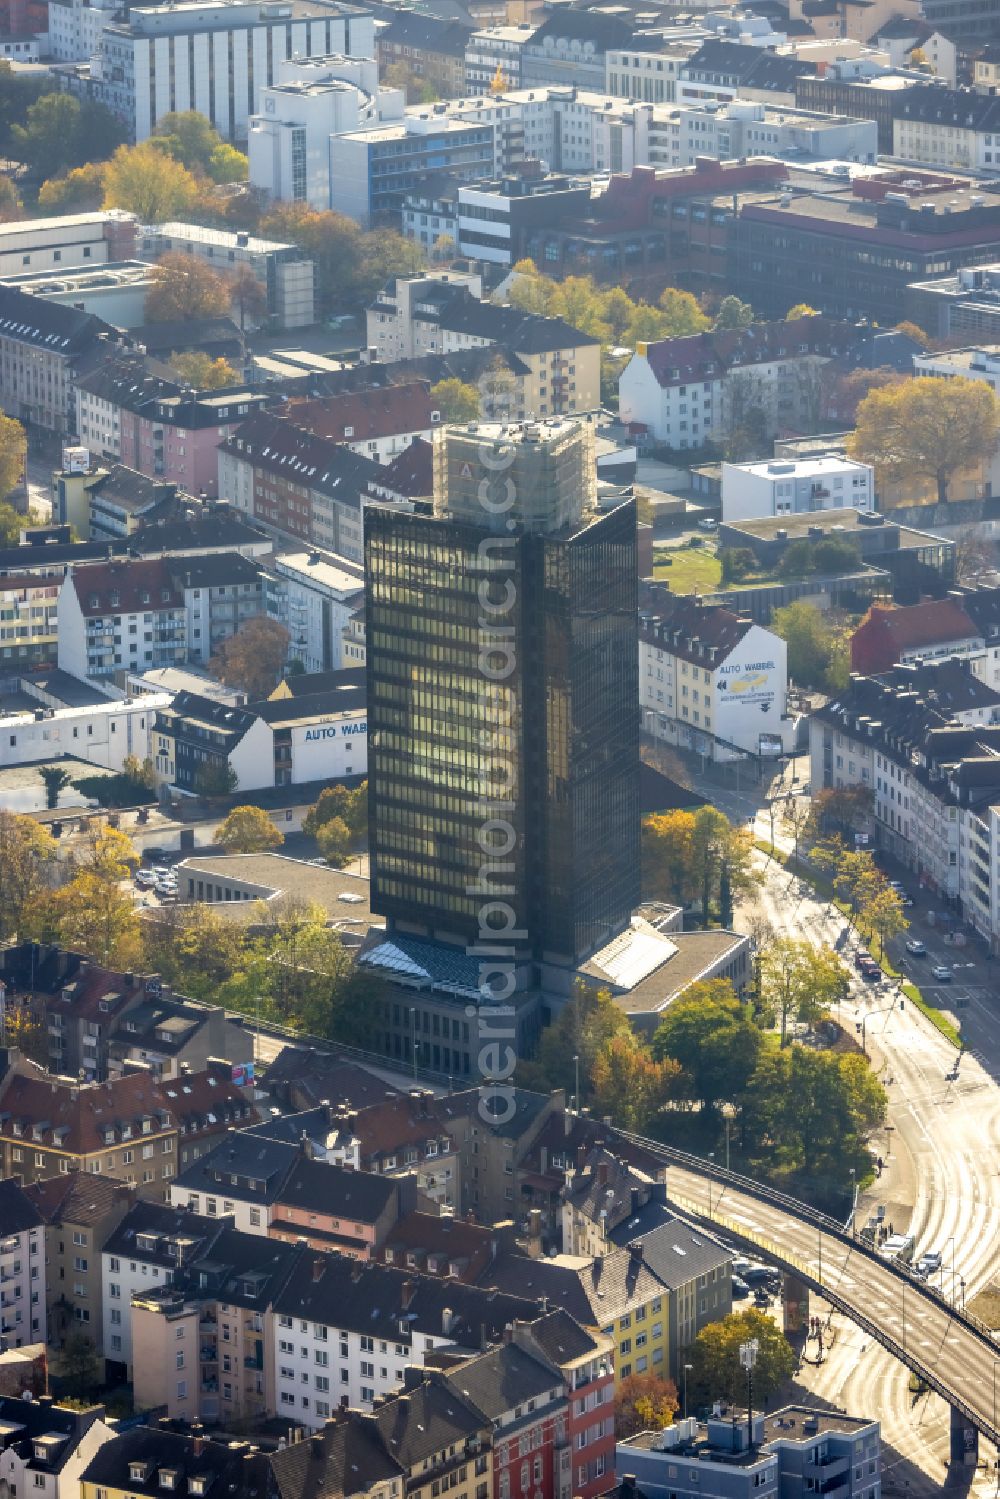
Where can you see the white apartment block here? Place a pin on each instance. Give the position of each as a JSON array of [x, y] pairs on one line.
[[402, 322], [932, 807], [120, 616], [75, 28], [948, 128], [22, 1265], [44, 1451], [216, 58], [752, 491], [314, 594], [685, 404], [712, 682]]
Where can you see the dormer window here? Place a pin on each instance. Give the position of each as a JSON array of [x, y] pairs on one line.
[[145, 597], [168, 1478], [126, 1132], [198, 1485], [138, 1472], [147, 1125], [348, 431]]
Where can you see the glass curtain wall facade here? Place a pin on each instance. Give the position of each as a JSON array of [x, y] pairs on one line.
[[546, 740]]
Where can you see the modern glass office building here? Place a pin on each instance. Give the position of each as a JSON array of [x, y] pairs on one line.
[[503, 699]]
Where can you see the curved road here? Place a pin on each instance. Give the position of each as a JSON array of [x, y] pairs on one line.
[[921, 1329]]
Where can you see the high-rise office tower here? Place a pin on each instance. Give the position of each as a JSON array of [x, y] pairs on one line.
[[503, 698]]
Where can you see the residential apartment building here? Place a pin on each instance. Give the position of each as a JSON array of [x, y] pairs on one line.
[[212, 58], [494, 220], [28, 621], [440, 317], [45, 1446], [713, 680], [122, 1129], [965, 624], [952, 129], [81, 1001], [286, 275], [314, 595], [686, 391], [930, 776], [362, 1330], [79, 1212], [616, 1294], [431, 49], [149, 1247], [296, 485], [22, 1269], [221, 593], [493, 54], [44, 347], [200, 1345], [121, 616], [377, 424], [789, 487], [155, 426], [102, 502]]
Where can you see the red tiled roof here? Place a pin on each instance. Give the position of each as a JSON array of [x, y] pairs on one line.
[[138, 586], [362, 416], [74, 1117], [886, 632]]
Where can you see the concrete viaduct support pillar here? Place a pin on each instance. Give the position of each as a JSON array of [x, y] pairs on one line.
[[964, 1441]]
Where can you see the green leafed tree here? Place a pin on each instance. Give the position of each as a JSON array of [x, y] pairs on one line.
[[457, 400], [714, 1039], [717, 1373], [248, 830]]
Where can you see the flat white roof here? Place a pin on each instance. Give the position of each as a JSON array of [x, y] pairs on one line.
[[799, 468], [24, 718]]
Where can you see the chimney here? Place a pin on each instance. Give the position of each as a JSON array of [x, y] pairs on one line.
[[319, 1265], [634, 1194], [197, 1440], [317, 1446], [581, 1157], [409, 1290], [635, 1253], [602, 1173], [508, 1332]]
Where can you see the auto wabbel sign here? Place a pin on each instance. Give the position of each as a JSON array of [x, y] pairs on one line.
[[336, 730], [747, 683]]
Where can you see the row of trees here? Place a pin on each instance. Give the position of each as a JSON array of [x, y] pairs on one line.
[[819, 649], [875, 908]]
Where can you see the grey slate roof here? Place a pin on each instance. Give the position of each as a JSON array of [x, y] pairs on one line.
[[265, 1163], [497, 1381], [163, 1221], [343, 1459], [51, 326], [391, 1303], [675, 1252], [561, 1339], [425, 1421], [228, 1471], [17, 1211], [42, 1418]]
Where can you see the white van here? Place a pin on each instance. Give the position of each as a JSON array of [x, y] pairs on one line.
[[898, 1247]]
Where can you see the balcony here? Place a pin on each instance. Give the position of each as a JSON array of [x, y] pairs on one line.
[[209, 1356], [254, 1361], [10, 1245]]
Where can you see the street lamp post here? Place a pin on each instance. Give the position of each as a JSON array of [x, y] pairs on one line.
[[691, 1366], [854, 1203], [416, 1043], [576, 1065], [748, 1358], [711, 1157], [872, 1016]]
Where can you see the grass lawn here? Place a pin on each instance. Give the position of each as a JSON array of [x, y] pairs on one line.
[[693, 569]]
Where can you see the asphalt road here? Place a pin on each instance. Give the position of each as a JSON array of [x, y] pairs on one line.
[[940, 1181]]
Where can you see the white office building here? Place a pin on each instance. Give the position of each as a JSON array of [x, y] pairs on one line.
[[313, 98], [753, 491], [103, 734], [216, 58], [75, 28]]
